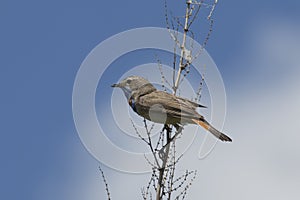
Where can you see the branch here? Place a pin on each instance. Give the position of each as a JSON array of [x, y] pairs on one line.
[[149, 142], [183, 49], [196, 14], [164, 159], [198, 94], [163, 77], [105, 183]]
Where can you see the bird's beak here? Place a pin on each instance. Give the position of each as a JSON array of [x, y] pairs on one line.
[[115, 85]]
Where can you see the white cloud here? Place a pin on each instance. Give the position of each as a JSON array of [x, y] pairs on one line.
[[263, 120]]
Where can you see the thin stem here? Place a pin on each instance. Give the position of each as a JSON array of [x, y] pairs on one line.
[[182, 53], [150, 143], [163, 167], [105, 183]]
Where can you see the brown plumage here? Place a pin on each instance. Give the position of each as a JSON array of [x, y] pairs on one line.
[[162, 107]]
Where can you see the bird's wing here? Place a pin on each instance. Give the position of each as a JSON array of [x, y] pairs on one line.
[[174, 106], [192, 102]]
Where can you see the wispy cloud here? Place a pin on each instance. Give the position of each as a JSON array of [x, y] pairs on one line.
[[262, 118]]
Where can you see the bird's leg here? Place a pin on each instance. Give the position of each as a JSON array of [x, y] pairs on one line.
[[179, 129], [167, 128], [161, 152]]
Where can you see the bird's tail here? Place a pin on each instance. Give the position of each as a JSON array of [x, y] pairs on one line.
[[211, 129]]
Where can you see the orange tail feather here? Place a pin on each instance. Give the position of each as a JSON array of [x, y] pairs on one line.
[[212, 130]]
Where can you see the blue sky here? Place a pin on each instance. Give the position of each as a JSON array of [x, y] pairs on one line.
[[42, 45]]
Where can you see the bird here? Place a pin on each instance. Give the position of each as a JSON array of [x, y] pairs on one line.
[[163, 107]]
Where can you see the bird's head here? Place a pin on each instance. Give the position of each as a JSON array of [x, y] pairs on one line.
[[133, 86]]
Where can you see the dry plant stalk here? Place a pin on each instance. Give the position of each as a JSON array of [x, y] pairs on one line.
[[163, 179], [163, 176]]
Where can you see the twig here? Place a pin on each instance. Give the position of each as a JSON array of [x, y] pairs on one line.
[[105, 183], [160, 139], [179, 131], [163, 77], [199, 91], [149, 142], [196, 14], [159, 192], [138, 133], [182, 54], [146, 192], [212, 10], [205, 40], [174, 37], [172, 172], [149, 162]]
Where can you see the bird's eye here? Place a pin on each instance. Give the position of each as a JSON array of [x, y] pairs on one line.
[[128, 81]]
